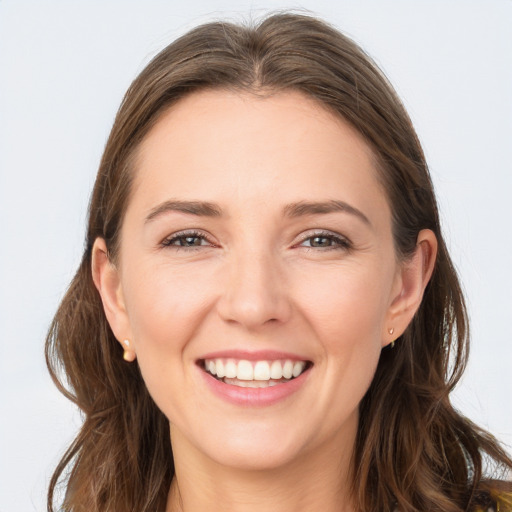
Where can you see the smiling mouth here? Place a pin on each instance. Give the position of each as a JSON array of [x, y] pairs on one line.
[[254, 374]]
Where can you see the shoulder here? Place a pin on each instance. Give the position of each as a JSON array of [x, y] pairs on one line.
[[504, 502], [495, 496]]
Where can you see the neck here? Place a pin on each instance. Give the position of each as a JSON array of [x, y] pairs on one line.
[[320, 481]]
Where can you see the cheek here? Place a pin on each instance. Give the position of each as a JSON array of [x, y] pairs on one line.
[[165, 306], [345, 306], [346, 315], [166, 309]]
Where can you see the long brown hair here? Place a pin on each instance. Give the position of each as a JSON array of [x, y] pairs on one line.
[[414, 451]]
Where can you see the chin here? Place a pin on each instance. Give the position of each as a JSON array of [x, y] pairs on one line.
[[248, 448], [255, 458]]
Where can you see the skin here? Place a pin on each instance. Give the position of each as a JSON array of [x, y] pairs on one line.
[[259, 280]]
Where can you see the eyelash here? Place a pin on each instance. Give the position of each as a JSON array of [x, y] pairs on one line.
[[337, 242], [169, 242]]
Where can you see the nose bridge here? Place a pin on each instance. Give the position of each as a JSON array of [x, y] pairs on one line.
[[254, 293]]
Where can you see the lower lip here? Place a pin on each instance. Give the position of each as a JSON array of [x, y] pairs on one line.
[[254, 397]]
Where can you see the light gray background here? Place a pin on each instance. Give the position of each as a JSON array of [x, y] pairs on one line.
[[63, 69]]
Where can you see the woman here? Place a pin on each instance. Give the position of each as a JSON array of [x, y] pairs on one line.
[[266, 314]]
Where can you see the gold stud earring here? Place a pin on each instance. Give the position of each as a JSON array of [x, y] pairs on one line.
[[128, 355], [391, 331]]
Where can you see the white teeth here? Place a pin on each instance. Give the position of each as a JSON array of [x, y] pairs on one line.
[[288, 370], [230, 369], [266, 372], [276, 370], [219, 366], [245, 370], [254, 383], [298, 368], [261, 370]]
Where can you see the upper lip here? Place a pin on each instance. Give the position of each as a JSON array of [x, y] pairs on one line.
[[257, 355]]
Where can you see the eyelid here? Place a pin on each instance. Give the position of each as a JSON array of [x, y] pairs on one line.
[[342, 241], [168, 240]]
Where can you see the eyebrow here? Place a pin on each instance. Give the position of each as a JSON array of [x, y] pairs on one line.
[[314, 208], [299, 209], [199, 208]]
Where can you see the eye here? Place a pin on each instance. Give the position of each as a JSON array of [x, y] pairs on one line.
[[325, 241], [188, 239]]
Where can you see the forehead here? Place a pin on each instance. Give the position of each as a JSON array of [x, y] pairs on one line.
[[224, 146]]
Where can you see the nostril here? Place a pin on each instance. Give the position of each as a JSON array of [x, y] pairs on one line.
[[253, 296]]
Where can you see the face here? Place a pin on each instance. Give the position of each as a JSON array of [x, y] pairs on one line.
[[256, 246]]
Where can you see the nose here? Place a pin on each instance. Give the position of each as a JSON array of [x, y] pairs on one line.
[[254, 294]]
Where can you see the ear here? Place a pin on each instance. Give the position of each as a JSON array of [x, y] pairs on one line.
[[410, 283], [108, 282]]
